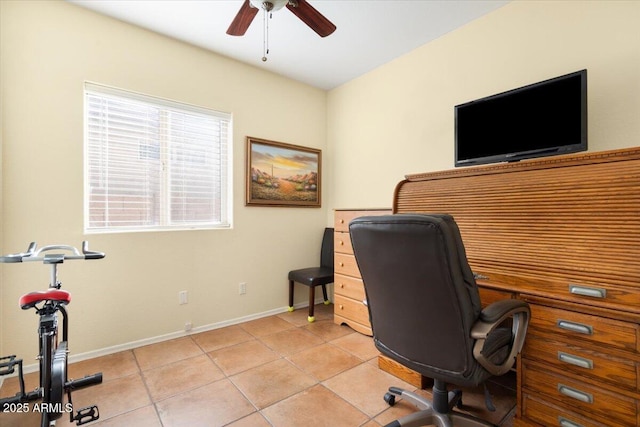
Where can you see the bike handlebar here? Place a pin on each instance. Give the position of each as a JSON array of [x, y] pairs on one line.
[[34, 254]]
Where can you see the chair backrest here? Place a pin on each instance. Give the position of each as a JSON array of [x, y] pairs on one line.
[[422, 296], [326, 252]]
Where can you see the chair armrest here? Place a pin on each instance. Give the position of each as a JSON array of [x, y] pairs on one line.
[[500, 310], [490, 318]]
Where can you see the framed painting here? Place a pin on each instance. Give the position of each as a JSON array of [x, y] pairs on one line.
[[280, 174]]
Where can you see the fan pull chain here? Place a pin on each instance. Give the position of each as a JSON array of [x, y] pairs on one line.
[[265, 35]]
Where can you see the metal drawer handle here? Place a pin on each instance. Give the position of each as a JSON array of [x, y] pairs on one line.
[[563, 422], [365, 302], [588, 291], [575, 327], [575, 394], [575, 360]]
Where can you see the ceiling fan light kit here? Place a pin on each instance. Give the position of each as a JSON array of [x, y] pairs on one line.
[[301, 8], [270, 6]]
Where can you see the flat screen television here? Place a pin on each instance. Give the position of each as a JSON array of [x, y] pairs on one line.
[[541, 119]]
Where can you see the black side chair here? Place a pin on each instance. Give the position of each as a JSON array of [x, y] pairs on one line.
[[425, 311], [315, 276]]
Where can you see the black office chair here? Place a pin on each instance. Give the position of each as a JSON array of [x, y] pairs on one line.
[[425, 311], [315, 276]]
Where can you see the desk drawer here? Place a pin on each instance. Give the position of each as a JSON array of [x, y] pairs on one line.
[[604, 294], [350, 287], [570, 394], [581, 361], [548, 414], [342, 243], [574, 326], [489, 296], [346, 265], [351, 309]]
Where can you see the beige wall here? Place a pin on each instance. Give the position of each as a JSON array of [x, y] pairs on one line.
[[48, 50], [395, 120], [398, 119]]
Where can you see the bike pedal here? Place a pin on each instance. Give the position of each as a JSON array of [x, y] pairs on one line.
[[86, 415], [7, 368]]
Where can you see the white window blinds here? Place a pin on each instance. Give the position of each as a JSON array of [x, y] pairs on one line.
[[154, 164]]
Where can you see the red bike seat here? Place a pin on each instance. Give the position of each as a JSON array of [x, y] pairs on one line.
[[32, 298]]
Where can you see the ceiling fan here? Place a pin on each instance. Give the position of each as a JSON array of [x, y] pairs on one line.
[[301, 8]]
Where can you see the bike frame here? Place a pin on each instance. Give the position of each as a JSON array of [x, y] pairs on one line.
[[52, 355], [53, 363]]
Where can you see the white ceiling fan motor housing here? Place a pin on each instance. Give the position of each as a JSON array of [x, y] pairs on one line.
[[269, 6]]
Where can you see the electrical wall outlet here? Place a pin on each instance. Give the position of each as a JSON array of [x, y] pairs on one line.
[[188, 325], [242, 288], [183, 297]]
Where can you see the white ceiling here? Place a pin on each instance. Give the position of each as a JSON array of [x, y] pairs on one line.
[[369, 32]]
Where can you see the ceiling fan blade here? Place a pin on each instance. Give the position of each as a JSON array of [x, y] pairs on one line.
[[314, 19], [242, 20]]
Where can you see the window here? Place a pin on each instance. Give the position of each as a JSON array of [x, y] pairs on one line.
[[154, 164]]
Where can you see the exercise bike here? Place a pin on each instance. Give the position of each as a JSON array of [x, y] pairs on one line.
[[52, 355]]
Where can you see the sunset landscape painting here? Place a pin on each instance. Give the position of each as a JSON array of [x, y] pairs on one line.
[[280, 174]]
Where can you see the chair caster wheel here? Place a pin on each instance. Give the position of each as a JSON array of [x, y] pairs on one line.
[[390, 399], [456, 396]]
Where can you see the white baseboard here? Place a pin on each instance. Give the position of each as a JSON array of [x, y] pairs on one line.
[[160, 338]]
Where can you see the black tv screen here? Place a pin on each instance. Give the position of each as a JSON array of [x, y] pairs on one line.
[[541, 119]]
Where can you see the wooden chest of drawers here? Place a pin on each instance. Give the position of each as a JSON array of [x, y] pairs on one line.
[[348, 291]]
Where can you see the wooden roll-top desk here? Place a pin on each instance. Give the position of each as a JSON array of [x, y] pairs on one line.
[[562, 233]]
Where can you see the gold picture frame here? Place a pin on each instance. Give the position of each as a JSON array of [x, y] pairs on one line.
[[280, 174]]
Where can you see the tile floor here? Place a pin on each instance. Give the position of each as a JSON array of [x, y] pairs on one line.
[[275, 371]]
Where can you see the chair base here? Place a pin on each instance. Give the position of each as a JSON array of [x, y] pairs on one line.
[[427, 415], [312, 298], [310, 319]]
